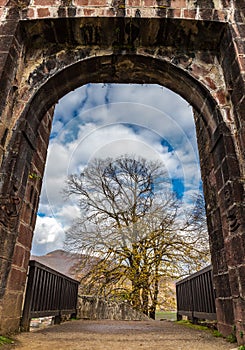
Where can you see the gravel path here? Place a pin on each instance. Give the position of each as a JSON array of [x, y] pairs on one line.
[[119, 335]]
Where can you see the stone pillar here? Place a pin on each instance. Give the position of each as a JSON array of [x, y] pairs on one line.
[[18, 217], [211, 185], [9, 202], [233, 193], [224, 194]]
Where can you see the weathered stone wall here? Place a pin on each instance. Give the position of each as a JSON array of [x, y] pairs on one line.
[[193, 9], [17, 219], [95, 308], [194, 47]]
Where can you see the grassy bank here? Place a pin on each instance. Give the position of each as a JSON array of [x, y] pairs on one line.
[[166, 315]]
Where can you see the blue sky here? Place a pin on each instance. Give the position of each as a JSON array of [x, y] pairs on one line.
[[101, 120]]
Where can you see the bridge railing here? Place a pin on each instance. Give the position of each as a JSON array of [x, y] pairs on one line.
[[196, 296], [48, 293]]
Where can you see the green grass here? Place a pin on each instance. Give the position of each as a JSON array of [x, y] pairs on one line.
[[166, 315], [193, 326], [217, 334], [4, 340], [231, 338]]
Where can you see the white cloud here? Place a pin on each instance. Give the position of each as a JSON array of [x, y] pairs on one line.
[[49, 236]]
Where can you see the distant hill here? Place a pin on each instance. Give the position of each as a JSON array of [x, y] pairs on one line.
[[62, 261]]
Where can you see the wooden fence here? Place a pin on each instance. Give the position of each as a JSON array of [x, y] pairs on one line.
[[48, 293], [196, 296]]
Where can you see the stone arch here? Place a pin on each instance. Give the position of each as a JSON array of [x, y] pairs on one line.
[[58, 72]]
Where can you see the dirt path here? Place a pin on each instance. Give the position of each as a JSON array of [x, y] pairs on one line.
[[119, 335]]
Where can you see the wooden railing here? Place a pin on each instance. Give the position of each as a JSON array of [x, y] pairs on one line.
[[48, 293], [196, 296]]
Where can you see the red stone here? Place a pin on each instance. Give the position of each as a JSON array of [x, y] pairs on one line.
[[136, 3], [80, 2], [97, 3], [149, 3], [30, 13], [179, 3], [25, 235], [221, 97], [17, 279], [19, 255], [43, 12], [45, 2], [210, 82], [190, 14], [174, 13]]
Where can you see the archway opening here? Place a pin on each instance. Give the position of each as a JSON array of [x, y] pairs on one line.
[[109, 120]]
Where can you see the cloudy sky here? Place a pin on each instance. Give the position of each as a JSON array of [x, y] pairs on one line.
[[100, 120]]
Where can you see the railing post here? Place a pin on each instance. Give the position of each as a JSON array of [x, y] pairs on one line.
[[26, 318]]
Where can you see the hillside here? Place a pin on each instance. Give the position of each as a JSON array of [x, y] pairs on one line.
[[62, 261]]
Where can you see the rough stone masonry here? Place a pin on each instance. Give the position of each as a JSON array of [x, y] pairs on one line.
[[194, 47]]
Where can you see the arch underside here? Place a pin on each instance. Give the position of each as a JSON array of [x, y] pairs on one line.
[[64, 54]]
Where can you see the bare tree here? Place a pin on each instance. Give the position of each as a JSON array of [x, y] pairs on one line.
[[133, 223]]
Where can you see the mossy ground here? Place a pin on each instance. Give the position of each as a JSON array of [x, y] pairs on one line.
[[4, 340]]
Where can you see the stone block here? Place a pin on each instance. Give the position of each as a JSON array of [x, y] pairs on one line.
[[232, 191], [224, 311], [222, 285], [219, 178], [12, 304], [16, 280], [97, 3], [26, 213], [80, 2], [225, 329], [174, 13], [179, 4], [216, 241], [230, 169], [234, 283], [38, 3], [8, 324], [241, 273], [38, 162], [7, 241], [135, 3], [19, 255], [239, 310], [235, 251], [190, 14], [43, 12], [206, 14], [221, 96], [219, 262], [43, 134]]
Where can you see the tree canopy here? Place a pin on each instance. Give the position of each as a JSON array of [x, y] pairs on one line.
[[136, 227]]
